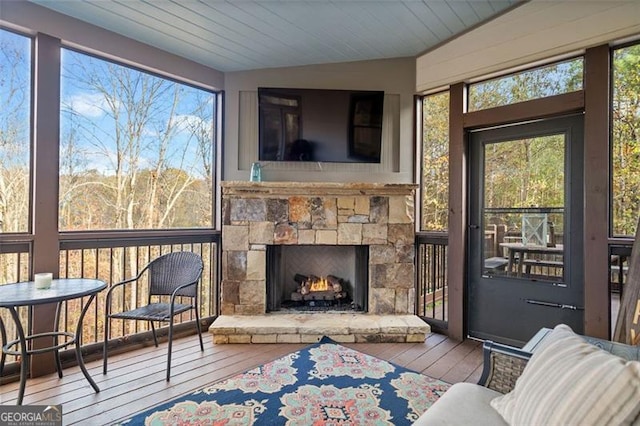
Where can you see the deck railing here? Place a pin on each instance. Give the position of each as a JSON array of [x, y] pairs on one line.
[[113, 258], [431, 279], [15, 266]]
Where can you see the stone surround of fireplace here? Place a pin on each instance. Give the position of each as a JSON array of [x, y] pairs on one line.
[[261, 214]]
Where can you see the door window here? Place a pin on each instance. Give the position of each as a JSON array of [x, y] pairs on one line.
[[523, 208]]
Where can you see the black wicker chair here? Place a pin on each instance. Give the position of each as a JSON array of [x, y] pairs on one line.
[[174, 274]]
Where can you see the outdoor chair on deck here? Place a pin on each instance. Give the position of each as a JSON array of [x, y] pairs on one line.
[[175, 275]]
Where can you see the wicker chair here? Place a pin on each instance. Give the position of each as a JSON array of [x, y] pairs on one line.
[[176, 275], [504, 364]]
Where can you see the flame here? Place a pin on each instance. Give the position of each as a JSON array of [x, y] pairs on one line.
[[320, 284]]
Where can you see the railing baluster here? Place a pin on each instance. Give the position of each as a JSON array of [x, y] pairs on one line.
[[432, 287]]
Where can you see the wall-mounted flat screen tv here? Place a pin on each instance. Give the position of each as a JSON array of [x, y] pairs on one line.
[[343, 126]]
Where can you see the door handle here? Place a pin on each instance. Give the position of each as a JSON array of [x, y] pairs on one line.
[[554, 305], [474, 226]]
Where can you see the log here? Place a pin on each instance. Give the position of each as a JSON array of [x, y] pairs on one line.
[[332, 279], [299, 278]]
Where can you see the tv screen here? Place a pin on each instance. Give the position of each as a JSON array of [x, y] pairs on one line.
[[343, 126]]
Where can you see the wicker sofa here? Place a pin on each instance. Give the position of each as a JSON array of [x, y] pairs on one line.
[[468, 403]]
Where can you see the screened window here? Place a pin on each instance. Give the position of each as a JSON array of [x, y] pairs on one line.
[[625, 156], [136, 150], [549, 80], [435, 162], [15, 131]]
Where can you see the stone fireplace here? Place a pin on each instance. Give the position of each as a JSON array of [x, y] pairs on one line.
[[261, 218]]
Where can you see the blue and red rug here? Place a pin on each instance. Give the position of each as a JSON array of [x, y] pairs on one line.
[[323, 384]]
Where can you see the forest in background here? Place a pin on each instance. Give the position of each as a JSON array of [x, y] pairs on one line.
[[521, 187]]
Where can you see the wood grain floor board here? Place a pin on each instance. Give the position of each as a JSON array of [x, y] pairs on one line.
[[444, 364], [425, 360], [136, 379], [462, 370]]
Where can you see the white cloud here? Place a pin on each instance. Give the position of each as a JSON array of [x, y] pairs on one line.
[[89, 105], [186, 123]]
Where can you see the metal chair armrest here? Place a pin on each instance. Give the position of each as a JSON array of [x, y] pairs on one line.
[[118, 284], [502, 366]]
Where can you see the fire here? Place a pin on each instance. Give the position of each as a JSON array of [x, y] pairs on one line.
[[321, 284]]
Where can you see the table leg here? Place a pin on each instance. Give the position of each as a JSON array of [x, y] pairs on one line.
[[511, 261], [520, 263], [24, 355], [55, 341], [78, 341], [3, 356]]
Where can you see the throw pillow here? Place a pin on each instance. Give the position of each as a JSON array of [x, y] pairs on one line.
[[568, 381]]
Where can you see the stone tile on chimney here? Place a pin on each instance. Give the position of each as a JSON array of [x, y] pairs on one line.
[[248, 209], [405, 252], [363, 206], [307, 236], [374, 233], [379, 207], [401, 233], [256, 265], [285, 233], [323, 213], [226, 211], [299, 210], [235, 237], [230, 291], [346, 205], [382, 301], [326, 236], [358, 218], [277, 210], [236, 265], [400, 275], [261, 232], [378, 276], [400, 209], [402, 301], [382, 254], [349, 233], [253, 292]]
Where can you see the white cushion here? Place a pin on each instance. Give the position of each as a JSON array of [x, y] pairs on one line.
[[568, 381], [463, 404]]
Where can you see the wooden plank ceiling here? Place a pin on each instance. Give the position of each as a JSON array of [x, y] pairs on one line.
[[254, 34]]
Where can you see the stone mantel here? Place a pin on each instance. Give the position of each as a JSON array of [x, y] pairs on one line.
[[316, 188]]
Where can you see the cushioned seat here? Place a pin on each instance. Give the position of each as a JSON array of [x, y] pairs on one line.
[[568, 380], [463, 404]]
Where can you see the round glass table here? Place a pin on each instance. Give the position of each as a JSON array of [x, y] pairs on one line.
[[13, 296]]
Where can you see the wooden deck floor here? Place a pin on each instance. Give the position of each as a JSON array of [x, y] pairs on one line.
[[136, 380]]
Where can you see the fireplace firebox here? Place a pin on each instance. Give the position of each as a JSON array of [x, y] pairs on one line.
[[317, 278]]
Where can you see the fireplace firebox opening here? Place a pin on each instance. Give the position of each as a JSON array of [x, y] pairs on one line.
[[317, 278]]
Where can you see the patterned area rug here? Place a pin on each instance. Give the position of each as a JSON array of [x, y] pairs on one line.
[[323, 384]]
